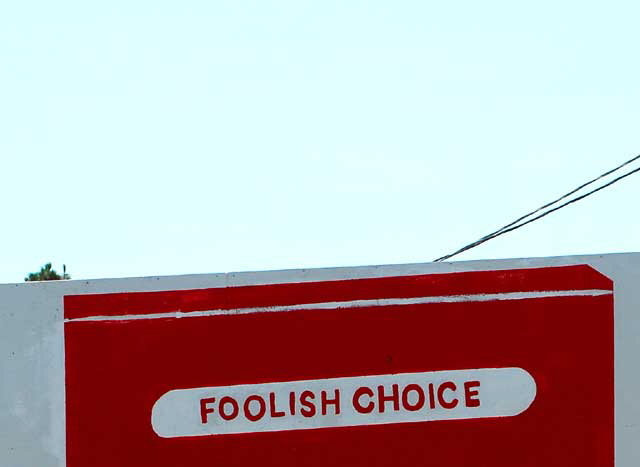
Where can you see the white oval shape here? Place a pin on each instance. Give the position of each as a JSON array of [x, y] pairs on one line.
[[342, 402]]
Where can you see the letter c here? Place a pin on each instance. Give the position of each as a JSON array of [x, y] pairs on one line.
[[361, 391]]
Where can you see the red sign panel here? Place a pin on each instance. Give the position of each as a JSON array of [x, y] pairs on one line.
[[500, 368]]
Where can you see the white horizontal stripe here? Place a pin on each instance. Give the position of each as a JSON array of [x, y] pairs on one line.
[[506, 392], [354, 304]]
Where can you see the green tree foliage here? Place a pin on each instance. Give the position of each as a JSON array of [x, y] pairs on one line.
[[47, 273]]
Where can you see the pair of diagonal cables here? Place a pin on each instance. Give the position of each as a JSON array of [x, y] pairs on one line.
[[553, 206]]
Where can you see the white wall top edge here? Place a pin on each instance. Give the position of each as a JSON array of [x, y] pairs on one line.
[[196, 281]]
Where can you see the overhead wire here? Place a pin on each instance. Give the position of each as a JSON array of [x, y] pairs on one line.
[[516, 224]]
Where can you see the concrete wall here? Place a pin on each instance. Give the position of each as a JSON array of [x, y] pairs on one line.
[[32, 389]]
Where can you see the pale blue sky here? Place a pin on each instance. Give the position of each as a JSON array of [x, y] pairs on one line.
[[154, 137]]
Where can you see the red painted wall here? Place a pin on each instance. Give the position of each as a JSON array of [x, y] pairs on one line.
[[117, 369]]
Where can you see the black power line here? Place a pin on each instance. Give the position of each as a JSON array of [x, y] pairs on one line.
[[518, 222]]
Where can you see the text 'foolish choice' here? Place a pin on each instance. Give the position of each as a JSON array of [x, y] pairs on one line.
[[342, 402]]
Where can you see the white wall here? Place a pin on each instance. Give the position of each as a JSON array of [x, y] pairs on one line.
[[32, 429]]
